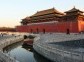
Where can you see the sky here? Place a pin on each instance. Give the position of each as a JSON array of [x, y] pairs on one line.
[[12, 11]]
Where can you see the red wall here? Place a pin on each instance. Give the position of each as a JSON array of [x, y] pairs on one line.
[[50, 27], [81, 25]]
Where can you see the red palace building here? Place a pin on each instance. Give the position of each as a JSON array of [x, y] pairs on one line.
[[51, 20]]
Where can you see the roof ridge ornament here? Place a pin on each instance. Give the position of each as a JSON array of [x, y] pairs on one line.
[[74, 7], [53, 8]]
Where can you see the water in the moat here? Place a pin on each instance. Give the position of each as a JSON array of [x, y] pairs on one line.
[[24, 55]]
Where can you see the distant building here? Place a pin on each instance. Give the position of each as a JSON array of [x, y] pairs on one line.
[[51, 20], [7, 29]]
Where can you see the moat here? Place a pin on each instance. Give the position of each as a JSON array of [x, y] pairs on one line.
[[24, 54]]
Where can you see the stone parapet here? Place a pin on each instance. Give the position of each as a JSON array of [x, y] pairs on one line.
[[41, 46], [8, 41]]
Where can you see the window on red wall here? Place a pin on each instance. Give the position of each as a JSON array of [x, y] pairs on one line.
[[83, 19], [31, 30]]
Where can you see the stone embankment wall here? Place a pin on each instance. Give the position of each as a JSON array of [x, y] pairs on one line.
[[56, 54], [10, 41], [5, 42]]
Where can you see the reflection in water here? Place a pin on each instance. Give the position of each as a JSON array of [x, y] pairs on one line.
[[23, 54], [29, 48], [11, 47], [40, 58]]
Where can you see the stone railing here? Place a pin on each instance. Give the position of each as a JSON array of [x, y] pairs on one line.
[[56, 54], [6, 58], [5, 42], [9, 41]]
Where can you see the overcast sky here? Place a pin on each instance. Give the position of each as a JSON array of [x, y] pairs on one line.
[[12, 11]]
